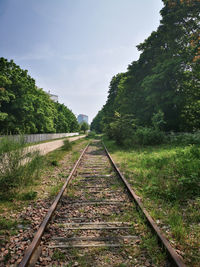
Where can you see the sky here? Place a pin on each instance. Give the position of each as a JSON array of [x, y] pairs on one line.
[[74, 47]]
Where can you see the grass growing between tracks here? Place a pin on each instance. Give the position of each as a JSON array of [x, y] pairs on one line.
[[142, 251], [166, 177]]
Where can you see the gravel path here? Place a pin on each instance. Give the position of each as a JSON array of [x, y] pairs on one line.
[[50, 146]]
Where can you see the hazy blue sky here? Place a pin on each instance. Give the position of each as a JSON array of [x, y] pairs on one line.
[[74, 47]]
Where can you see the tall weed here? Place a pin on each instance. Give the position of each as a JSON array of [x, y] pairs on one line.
[[174, 175], [18, 166], [67, 145]]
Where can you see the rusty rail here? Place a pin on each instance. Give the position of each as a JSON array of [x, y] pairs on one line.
[[175, 258], [36, 241]]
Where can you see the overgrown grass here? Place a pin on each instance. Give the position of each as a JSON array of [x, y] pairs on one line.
[[167, 178], [91, 135], [30, 195], [67, 145], [17, 179], [7, 224], [18, 167], [58, 255], [54, 190]]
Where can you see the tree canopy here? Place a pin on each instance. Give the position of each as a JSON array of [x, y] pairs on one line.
[[26, 109], [164, 80], [84, 126]]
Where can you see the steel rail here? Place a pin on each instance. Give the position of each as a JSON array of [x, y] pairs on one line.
[[37, 238], [175, 258]]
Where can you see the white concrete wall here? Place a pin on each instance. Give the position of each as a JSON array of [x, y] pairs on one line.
[[33, 138]]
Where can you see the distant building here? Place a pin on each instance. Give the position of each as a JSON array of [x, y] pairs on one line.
[[53, 97], [81, 118]]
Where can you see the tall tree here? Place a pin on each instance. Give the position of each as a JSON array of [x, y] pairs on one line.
[[166, 76], [24, 108]]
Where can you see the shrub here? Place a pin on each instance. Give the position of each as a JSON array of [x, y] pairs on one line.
[[18, 166], [121, 128], [84, 126], [158, 121], [184, 138], [67, 145], [147, 136], [91, 134]]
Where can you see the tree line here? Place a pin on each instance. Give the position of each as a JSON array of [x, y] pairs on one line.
[[27, 109], [161, 90]]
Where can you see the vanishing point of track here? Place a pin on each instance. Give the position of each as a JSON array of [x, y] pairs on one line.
[[94, 215]]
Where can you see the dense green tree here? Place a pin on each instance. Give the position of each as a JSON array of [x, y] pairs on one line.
[[84, 126], [163, 86], [25, 109], [65, 120], [97, 123], [18, 84], [111, 106], [44, 112]]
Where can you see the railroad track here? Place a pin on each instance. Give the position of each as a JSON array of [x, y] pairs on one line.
[[94, 220]]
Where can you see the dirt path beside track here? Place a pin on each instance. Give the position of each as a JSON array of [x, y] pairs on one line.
[[45, 148]]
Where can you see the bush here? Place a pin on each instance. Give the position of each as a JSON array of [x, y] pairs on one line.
[[121, 129], [18, 166], [158, 121], [184, 138], [84, 126], [67, 145], [91, 134], [147, 136]]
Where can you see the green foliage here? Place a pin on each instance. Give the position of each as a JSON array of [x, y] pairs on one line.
[[6, 224], [54, 190], [28, 195], [97, 123], [91, 134], [65, 120], [147, 136], [84, 126], [121, 128], [183, 138], [177, 225], [161, 90], [67, 145], [24, 108], [54, 163], [158, 120], [166, 178], [182, 168], [18, 166], [58, 255], [169, 173]]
